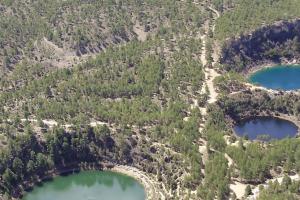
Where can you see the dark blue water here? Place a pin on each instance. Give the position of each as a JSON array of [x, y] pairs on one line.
[[266, 128], [278, 77]]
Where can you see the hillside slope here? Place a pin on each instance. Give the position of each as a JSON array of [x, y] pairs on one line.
[[243, 16]]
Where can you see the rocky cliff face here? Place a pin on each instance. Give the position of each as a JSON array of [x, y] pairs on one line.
[[279, 43]]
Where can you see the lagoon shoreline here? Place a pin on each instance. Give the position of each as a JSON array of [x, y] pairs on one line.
[[288, 118], [268, 64], [253, 70], [149, 185]]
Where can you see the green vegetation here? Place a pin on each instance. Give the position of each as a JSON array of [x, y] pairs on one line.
[[135, 68], [92, 28], [25, 26], [217, 174], [229, 82], [141, 90], [272, 44], [288, 189], [216, 182], [249, 38], [255, 39], [247, 15], [26, 158], [254, 103], [255, 160], [134, 72]]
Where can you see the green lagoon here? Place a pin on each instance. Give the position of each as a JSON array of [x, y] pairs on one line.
[[89, 185]]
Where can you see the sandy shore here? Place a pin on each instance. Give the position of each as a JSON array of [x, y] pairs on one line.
[[266, 65], [238, 188], [152, 189], [290, 118]]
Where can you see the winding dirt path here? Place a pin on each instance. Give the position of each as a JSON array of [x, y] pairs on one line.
[[208, 86], [213, 95], [210, 73]]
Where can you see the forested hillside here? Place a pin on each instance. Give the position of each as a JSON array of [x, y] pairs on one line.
[[144, 85], [57, 33], [144, 72], [251, 35], [243, 16], [257, 32], [277, 43], [43, 30]]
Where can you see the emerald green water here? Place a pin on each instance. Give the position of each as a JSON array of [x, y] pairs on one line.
[[89, 185], [279, 77]]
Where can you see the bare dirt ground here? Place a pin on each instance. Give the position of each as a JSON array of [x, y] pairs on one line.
[[139, 30], [238, 188], [213, 95], [210, 73], [208, 86], [50, 53]]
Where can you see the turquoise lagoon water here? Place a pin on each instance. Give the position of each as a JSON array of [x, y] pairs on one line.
[[281, 77]]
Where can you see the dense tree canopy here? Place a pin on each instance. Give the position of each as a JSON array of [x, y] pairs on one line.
[[244, 16]]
